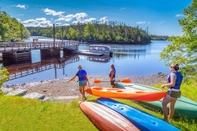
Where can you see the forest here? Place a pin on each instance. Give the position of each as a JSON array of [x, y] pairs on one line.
[[11, 29], [95, 33]]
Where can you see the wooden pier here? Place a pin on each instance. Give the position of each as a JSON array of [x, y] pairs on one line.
[[21, 51]]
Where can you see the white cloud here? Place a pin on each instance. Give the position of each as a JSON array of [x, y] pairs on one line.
[[141, 22], [66, 18], [103, 20], [179, 15], [66, 24], [53, 12], [89, 20], [21, 6], [38, 22], [162, 22], [78, 16]]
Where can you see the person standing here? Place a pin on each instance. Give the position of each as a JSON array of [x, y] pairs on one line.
[[174, 81], [83, 80], [112, 75]]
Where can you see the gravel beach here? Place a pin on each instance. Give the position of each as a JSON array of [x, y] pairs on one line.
[[60, 87]]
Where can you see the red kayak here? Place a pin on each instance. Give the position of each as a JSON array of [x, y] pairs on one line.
[[106, 119], [126, 94]]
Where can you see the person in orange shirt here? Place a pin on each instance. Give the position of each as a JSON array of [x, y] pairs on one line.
[[112, 75]]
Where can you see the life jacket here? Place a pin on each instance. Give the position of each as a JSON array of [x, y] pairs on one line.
[[178, 82], [82, 75], [114, 73]]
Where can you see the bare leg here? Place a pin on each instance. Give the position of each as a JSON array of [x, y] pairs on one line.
[[167, 99], [172, 104], [82, 91]]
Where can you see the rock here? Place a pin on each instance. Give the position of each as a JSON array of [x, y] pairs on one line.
[[6, 90], [61, 98], [17, 92], [34, 95]]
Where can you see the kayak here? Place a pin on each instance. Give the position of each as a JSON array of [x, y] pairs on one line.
[[140, 119], [126, 94], [105, 118], [184, 107]]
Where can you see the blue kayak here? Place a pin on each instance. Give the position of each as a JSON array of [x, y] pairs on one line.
[[140, 119]]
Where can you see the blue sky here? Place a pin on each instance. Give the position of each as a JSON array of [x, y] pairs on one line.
[[159, 16]]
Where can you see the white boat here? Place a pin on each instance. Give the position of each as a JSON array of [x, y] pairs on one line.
[[98, 50]]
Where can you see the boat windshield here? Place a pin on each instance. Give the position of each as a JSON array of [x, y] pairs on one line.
[[101, 48]]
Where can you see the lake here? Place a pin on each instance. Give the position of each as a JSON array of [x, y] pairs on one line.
[[129, 60]]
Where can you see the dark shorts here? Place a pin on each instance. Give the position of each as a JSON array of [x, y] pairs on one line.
[[112, 82], [174, 94], [82, 83]]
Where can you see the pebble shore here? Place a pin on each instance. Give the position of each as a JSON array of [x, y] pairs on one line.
[[60, 87]]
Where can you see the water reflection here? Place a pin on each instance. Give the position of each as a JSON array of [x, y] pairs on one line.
[[28, 68], [102, 59]]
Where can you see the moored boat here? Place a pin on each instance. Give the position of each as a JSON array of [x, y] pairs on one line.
[[126, 94], [184, 107], [97, 50], [140, 119], [105, 118]]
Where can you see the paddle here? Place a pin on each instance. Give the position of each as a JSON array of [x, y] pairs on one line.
[[123, 81]]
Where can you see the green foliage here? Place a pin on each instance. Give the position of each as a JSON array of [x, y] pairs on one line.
[[95, 32], [4, 75], [183, 49], [11, 29]]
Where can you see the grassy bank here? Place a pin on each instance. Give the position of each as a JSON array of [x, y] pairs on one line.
[[20, 114]]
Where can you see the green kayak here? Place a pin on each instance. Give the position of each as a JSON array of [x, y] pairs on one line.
[[184, 107]]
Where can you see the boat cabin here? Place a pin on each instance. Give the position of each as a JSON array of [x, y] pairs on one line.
[[104, 49]]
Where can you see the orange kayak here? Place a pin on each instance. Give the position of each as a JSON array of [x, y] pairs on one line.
[[126, 94], [106, 119]]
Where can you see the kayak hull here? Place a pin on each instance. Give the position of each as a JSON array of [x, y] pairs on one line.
[[184, 107], [106, 119], [126, 94], [140, 119]]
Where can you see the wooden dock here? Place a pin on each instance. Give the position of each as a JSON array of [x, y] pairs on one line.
[[14, 52], [27, 46]]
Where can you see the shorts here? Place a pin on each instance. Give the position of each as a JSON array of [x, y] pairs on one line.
[[82, 83], [174, 94], [112, 82]]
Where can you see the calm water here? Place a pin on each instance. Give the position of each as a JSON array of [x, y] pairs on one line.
[[129, 60]]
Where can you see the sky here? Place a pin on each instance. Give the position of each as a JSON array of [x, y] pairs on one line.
[[160, 17]]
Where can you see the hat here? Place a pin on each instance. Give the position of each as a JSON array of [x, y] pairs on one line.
[[80, 67]]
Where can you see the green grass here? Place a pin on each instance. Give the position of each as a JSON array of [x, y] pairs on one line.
[[19, 114]]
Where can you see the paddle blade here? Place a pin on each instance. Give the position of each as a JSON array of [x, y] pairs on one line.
[[97, 81], [126, 81]]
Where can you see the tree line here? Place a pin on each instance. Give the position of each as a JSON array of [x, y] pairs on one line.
[[183, 49], [11, 29], [96, 33]]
